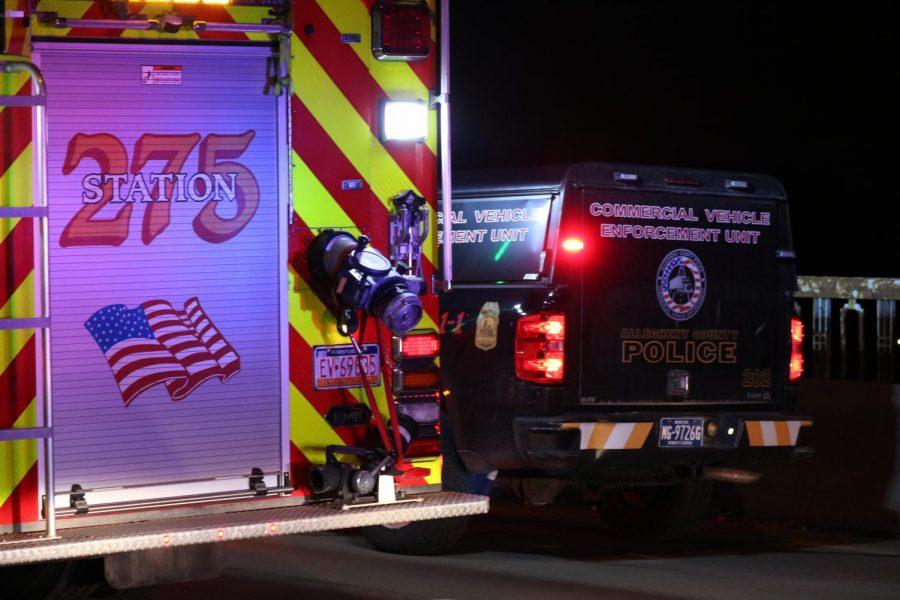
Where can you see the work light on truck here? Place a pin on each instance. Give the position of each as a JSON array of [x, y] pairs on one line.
[[795, 370], [401, 30], [404, 121], [540, 347]]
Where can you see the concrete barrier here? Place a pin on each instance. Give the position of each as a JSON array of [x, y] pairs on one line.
[[853, 481]]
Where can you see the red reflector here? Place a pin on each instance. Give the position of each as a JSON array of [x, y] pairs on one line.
[[795, 369], [540, 348], [418, 345], [401, 30], [572, 245], [423, 447]]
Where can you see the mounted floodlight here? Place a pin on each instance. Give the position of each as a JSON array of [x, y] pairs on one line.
[[404, 121], [401, 30]]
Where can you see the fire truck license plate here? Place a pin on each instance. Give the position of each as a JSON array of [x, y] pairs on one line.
[[681, 432], [336, 367]]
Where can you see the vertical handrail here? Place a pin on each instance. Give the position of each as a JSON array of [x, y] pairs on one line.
[[446, 164], [39, 91]]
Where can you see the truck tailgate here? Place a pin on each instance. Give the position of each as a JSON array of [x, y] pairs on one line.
[[679, 300]]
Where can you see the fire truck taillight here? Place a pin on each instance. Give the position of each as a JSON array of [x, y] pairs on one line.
[[401, 30], [540, 347], [416, 344], [404, 121], [416, 383], [795, 370], [416, 379]]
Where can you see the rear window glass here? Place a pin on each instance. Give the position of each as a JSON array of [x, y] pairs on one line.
[[498, 239]]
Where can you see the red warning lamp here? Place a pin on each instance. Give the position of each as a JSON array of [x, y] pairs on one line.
[[573, 245], [401, 30]]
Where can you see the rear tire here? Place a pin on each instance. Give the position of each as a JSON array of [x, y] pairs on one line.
[[437, 536], [655, 512]]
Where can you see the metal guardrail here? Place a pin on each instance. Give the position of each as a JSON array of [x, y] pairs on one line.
[[856, 337]]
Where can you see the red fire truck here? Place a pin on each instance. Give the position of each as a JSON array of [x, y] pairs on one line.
[[218, 294]]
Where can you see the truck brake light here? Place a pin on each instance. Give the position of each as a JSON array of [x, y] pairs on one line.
[[401, 30], [795, 370], [540, 347]]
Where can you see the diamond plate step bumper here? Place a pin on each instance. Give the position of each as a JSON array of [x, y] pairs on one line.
[[100, 540]]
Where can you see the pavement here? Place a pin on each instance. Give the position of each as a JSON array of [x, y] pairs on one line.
[[520, 552]]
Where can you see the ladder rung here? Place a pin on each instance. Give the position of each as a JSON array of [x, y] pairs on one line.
[[25, 212], [25, 433], [23, 100], [32, 323]]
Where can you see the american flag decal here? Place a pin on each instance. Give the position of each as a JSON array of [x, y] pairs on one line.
[[156, 343]]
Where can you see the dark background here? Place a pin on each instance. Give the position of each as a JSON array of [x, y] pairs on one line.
[[803, 91]]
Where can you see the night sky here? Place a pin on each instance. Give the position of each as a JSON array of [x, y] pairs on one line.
[[807, 93]]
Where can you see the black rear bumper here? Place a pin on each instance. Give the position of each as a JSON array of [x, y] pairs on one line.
[[556, 445]]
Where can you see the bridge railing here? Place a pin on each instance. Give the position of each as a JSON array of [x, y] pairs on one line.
[[852, 327]]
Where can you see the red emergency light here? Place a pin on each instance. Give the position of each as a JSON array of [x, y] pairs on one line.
[[401, 30], [573, 245]]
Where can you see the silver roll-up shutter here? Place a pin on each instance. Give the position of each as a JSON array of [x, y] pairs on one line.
[[166, 277]]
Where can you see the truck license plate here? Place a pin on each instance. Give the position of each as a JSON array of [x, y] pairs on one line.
[[336, 367], [681, 432]]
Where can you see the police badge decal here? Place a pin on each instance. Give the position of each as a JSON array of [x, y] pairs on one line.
[[681, 284]]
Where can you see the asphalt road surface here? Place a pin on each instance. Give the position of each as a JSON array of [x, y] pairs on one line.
[[523, 553]]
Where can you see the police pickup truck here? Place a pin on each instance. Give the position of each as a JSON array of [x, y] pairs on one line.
[[630, 328]]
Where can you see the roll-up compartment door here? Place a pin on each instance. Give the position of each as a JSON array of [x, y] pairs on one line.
[[167, 283]]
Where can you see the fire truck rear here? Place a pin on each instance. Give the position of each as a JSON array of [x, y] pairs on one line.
[[628, 328], [218, 293]]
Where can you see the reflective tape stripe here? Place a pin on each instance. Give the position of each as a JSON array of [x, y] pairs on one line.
[[309, 430], [345, 126], [611, 436], [17, 458], [774, 433], [397, 79], [638, 435]]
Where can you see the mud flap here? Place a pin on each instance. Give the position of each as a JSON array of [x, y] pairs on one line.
[[164, 565]]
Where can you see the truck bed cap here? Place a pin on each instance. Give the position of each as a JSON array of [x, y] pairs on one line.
[[552, 178]]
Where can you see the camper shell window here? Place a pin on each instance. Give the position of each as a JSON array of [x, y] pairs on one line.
[[498, 239]]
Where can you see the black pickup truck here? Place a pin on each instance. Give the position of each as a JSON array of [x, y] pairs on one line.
[[622, 326]]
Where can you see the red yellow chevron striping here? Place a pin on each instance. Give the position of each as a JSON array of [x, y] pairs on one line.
[[18, 460], [338, 89]]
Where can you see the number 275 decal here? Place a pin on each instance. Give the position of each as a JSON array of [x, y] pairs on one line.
[[218, 179]]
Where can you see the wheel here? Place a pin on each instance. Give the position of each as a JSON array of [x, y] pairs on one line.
[[655, 512], [65, 580], [437, 536]]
